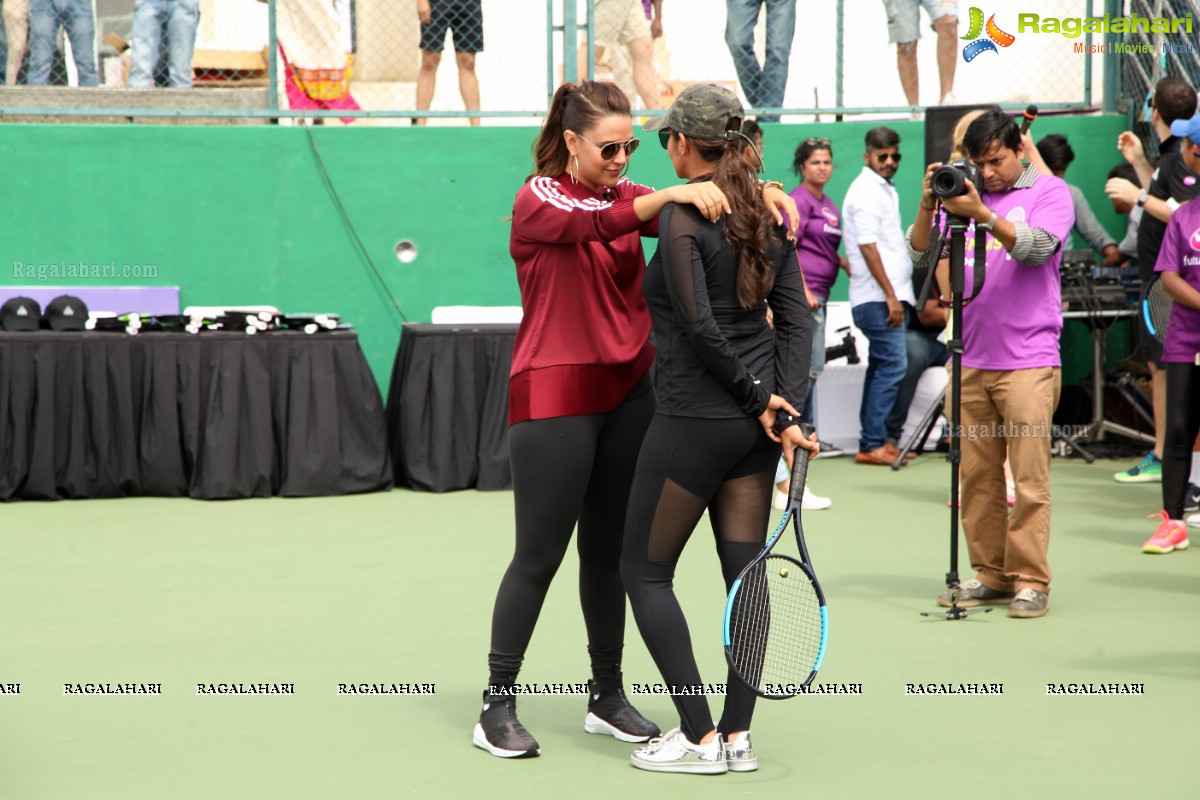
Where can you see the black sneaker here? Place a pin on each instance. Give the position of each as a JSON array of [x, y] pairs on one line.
[[1191, 501], [610, 712], [500, 732]]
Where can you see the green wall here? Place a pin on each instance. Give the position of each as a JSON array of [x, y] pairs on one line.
[[243, 215]]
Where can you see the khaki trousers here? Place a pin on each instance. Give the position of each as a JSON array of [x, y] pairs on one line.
[[1008, 411]]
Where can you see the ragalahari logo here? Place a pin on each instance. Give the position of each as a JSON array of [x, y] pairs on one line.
[[995, 36]]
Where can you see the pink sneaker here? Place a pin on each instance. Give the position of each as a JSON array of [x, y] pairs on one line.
[[1170, 536]]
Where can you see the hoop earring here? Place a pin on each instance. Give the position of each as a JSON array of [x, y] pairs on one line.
[[575, 174]]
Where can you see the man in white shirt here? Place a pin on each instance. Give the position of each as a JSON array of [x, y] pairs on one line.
[[881, 290]]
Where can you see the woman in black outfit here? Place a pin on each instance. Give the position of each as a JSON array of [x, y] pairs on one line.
[[728, 388]]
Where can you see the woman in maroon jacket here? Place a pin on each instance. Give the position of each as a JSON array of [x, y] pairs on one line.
[[580, 399]]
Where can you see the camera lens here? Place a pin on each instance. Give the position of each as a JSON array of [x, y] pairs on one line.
[[948, 181]]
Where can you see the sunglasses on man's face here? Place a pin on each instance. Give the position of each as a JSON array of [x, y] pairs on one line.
[[609, 150], [883, 157]]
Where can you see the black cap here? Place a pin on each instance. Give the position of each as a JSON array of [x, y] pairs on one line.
[[66, 313], [21, 314]]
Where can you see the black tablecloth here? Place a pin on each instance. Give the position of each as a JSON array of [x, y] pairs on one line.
[[215, 415], [448, 406]]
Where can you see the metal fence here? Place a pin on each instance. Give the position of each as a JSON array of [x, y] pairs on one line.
[[1149, 61], [497, 61]]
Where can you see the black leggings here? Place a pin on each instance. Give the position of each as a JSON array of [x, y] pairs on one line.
[[1183, 424], [567, 470], [728, 466]]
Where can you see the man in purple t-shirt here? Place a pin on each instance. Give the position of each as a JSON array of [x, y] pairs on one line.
[[1011, 365], [1178, 267]]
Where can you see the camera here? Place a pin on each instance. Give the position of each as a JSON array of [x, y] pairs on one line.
[[847, 348], [950, 180]]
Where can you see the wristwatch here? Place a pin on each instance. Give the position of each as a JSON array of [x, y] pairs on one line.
[[990, 225], [1142, 198]]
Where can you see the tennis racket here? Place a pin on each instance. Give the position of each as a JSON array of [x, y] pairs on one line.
[[775, 620], [1156, 308]]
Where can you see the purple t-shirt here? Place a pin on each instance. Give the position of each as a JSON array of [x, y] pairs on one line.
[[1181, 253], [817, 240], [1016, 320]]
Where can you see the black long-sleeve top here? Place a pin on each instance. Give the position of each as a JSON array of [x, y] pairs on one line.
[[716, 359]]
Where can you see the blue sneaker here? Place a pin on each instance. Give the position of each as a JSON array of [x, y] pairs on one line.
[[1148, 470], [1191, 501]]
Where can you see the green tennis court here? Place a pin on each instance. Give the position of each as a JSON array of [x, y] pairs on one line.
[[397, 588]]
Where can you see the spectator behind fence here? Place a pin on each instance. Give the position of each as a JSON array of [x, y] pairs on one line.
[[618, 57], [153, 22], [1053, 155], [880, 287], [314, 42], [45, 19], [465, 19], [16, 34], [623, 23], [904, 30], [763, 85]]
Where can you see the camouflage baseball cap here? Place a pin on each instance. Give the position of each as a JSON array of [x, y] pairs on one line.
[[703, 111]]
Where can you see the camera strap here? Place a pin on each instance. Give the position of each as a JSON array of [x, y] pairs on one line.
[[979, 269]]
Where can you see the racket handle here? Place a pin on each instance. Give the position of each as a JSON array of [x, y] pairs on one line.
[[800, 465]]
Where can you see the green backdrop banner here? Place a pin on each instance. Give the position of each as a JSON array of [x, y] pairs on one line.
[[246, 215]]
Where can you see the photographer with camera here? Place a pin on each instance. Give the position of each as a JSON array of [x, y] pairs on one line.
[[1010, 359]]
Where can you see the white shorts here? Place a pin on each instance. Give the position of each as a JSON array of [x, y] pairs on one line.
[[620, 22], [904, 17]]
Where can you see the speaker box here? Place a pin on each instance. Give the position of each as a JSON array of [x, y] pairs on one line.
[[939, 130]]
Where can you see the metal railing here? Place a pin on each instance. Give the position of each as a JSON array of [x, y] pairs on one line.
[[266, 60]]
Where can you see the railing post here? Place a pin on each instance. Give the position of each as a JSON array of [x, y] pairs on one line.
[[838, 97], [272, 59], [570, 41], [1112, 69]]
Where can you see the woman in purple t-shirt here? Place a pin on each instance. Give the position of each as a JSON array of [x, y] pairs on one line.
[[817, 241], [1178, 268]]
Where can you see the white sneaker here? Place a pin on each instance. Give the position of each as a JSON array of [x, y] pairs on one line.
[[674, 753], [1194, 520], [739, 753], [948, 99], [780, 500], [814, 502]]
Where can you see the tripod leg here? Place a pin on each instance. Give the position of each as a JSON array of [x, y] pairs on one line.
[[924, 428], [1072, 443]]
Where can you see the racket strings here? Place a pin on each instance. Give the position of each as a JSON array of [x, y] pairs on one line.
[[775, 625], [1159, 301]]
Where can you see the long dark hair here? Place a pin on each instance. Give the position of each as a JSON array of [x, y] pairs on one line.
[[574, 108], [748, 228]]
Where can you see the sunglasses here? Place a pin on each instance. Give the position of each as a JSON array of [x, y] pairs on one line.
[[664, 137], [884, 157], [822, 143], [609, 150]]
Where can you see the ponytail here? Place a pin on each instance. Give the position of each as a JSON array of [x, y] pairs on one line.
[[748, 228], [574, 108]]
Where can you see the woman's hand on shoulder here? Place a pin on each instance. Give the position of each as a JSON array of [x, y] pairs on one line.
[[705, 196], [782, 204]]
